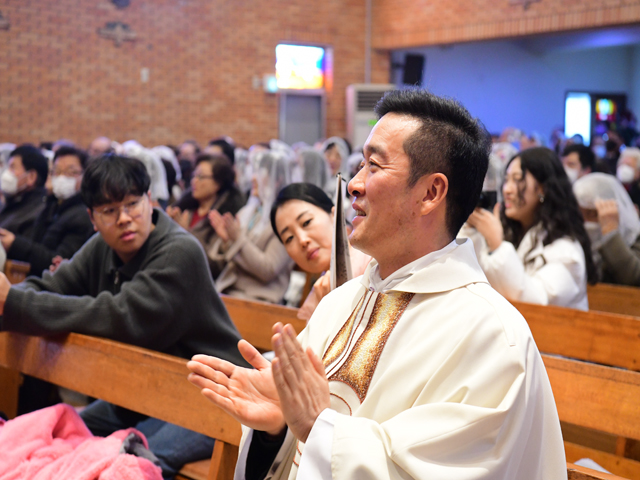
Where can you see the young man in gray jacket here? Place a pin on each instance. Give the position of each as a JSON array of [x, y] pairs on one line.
[[141, 280]]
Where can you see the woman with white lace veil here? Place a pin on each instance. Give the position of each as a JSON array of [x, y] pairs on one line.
[[315, 169], [611, 221], [256, 265], [153, 163], [242, 167], [336, 151]]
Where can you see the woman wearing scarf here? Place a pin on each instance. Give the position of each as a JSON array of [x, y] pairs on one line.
[[256, 265], [336, 151], [611, 221]]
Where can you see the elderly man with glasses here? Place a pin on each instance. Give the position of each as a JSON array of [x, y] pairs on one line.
[[141, 280]]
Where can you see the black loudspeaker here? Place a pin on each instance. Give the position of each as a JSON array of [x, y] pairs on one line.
[[413, 67]]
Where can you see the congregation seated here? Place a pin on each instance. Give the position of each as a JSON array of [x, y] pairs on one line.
[[142, 280], [212, 188], [22, 184], [537, 249], [254, 263], [611, 221], [545, 262], [302, 219], [63, 225], [628, 172]]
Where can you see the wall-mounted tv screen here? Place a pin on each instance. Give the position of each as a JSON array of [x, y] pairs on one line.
[[300, 67]]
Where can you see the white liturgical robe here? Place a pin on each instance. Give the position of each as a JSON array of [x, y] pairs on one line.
[[437, 377]]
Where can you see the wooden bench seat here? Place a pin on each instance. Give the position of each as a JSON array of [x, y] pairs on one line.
[[142, 380], [576, 472], [254, 320], [621, 299], [599, 337]]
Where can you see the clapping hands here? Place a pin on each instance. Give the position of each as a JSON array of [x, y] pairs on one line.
[[227, 226], [291, 392], [181, 217]]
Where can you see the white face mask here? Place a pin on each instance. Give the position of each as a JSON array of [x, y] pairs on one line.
[[9, 183], [625, 173], [63, 187], [572, 173]]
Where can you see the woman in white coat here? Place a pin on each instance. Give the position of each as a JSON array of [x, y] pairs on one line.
[[536, 240]]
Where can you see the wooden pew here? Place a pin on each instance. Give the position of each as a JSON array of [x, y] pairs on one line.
[[599, 337], [148, 382], [605, 338], [576, 472], [601, 398], [16, 271], [604, 297], [254, 320]]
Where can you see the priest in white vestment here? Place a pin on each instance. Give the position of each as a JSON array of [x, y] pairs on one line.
[[417, 369]]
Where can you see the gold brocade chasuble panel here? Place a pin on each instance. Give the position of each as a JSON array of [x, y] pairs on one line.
[[352, 356]]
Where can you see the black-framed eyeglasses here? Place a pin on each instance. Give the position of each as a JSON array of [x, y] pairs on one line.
[[110, 214]]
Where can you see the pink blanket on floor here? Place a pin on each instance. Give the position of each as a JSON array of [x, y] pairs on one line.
[[54, 443]]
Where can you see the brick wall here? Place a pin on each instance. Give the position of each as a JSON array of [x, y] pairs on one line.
[[412, 23], [59, 78]]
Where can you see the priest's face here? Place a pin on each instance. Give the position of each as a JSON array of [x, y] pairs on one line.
[[384, 203]]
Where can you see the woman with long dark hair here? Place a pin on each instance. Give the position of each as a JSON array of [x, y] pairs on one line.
[[537, 248], [302, 219]]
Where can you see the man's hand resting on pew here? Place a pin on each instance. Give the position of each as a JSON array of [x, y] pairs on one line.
[[292, 393]]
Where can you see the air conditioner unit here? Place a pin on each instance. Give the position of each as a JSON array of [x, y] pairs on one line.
[[361, 98]]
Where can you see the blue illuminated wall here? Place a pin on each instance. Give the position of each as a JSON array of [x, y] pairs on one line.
[[512, 83]]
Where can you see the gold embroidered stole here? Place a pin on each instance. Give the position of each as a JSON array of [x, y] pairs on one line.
[[352, 356]]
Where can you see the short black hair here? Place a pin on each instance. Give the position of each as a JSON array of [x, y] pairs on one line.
[[307, 192], [110, 178], [226, 147], [586, 156], [449, 141], [221, 169], [33, 159], [76, 152]]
